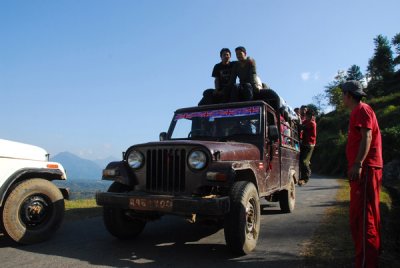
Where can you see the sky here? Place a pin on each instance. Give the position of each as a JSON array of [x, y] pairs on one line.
[[94, 77]]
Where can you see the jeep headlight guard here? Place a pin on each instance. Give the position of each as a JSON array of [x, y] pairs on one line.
[[197, 159], [135, 159]]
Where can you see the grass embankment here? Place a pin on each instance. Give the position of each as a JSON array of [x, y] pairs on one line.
[[81, 209], [332, 246]]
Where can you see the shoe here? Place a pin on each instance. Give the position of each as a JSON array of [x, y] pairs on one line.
[[301, 182]]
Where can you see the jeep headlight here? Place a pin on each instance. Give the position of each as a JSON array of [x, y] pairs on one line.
[[135, 159], [197, 159]]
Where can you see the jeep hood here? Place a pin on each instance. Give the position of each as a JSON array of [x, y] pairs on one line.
[[225, 151], [12, 149]]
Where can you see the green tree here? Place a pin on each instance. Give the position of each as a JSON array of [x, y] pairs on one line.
[[319, 102], [354, 73], [380, 67], [333, 92], [396, 44]]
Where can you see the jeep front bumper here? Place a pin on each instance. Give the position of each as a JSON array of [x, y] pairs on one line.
[[165, 203]]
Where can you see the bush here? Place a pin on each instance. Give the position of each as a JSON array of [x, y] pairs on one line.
[[391, 143]]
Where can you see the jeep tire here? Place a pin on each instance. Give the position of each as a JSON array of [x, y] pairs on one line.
[[287, 198], [242, 223], [116, 220], [33, 211]]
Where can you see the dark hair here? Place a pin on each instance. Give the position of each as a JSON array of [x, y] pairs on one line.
[[224, 50], [310, 112], [240, 48], [356, 97]]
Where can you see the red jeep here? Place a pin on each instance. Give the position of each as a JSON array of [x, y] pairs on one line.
[[215, 161]]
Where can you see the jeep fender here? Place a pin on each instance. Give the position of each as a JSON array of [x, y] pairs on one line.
[[245, 171], [28, 173], [120, 172]]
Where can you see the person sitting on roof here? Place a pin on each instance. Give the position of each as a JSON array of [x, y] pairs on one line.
[[222, 75], [245, 69]]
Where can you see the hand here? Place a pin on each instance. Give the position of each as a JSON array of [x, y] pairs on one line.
[[355, 172]]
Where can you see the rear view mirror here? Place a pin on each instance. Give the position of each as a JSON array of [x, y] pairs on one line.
[[163, 136], [273, 133]]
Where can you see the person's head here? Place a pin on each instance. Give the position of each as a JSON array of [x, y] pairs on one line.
[[309, 114], [352, 93], [240, 53], [225, 55], [303, 110], [297, 110]]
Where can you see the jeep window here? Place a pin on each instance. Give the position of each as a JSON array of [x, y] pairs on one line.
[[217, 124]]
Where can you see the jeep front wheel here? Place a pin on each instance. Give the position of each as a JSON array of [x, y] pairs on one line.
[[33, 211], [117, 221], [242, 223]]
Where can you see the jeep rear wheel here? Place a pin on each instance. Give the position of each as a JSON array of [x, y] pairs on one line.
[[242, 223], [117, 221], [33, 211], [287, 198]]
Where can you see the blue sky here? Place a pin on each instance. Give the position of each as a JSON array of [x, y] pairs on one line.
[[94, 77]]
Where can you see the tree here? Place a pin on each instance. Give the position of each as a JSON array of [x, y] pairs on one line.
[[333, 92], [380, 67], [396, 44], [354, 73], [319, 103]]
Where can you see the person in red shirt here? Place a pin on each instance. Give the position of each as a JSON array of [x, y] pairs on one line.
[[308, 140], [364, 156]]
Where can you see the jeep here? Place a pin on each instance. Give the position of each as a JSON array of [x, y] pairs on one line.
[[215, 162], [31, 206]]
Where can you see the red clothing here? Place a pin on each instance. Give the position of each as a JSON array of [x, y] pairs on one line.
[[364, 193], [365, 217], [309, 135], [362, 116]]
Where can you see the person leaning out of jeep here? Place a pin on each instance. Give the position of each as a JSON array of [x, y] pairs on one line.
[[308, 141]]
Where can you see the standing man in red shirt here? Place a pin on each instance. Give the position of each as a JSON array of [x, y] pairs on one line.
[[308, 140], [364, 156]]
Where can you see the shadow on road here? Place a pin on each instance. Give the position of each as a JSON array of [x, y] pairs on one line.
[[171, 242]]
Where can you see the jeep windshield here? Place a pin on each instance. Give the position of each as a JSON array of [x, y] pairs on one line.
[[218, 124]]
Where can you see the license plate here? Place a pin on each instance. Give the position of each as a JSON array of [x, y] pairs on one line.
[[155, 204]]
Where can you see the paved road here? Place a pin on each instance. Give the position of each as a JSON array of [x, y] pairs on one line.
[[172, 242]]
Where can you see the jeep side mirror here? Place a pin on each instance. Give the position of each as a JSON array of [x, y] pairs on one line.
[[273, 133], [163, 136]]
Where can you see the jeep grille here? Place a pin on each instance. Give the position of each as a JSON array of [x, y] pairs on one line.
[[165, 170]]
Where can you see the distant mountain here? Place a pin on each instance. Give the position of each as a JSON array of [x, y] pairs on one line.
[[78, 168], [104, 162]]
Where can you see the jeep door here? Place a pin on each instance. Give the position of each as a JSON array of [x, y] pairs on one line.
[[272, 153]]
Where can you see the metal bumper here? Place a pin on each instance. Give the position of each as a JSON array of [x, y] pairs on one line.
[[165, 203]]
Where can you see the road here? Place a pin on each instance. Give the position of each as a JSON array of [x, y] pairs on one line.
[[172, 242]]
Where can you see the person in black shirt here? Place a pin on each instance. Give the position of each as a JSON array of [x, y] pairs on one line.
[[222, 77]]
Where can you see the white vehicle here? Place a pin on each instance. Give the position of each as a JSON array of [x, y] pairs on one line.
[[31, 206]]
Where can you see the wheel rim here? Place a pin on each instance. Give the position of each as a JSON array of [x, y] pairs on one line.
[[251, 219], [35, 210]]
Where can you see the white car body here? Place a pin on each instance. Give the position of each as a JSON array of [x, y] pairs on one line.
[[31, 205], [15, 156]]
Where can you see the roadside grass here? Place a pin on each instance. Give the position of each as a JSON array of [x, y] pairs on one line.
[[81, 209], [332, 245]]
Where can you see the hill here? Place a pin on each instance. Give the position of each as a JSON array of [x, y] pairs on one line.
[[329, 156], [77, 167]]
